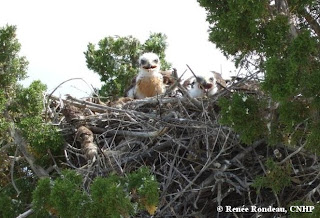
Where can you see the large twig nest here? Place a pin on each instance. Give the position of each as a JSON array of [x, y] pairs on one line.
[[199, 163]]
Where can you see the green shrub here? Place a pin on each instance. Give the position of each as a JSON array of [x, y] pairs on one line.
[[241, 112], [277, 177]]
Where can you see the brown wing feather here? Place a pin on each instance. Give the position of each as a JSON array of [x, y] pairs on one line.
[[133, 84], [220, 81], [168, 77]]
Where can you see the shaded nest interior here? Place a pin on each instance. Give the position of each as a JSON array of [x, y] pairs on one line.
[[198, 163]]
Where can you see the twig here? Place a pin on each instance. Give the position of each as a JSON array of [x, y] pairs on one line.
[[22, 145], [293, 153], [11, 173], [151, 134], [49, 96], [26, 214]]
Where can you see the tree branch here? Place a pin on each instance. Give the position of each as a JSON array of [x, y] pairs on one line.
[[26, 214], [11, 172], [22, 145], [283, 7], [312, 22]]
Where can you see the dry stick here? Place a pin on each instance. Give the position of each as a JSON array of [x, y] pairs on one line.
[[312, 192], [172, 164], [234, 85], [204, 184], [185, 92], [77, 150], [212, 177], [219, 198], [107, 108], [151, 134], [22, 145], [81, 105], [120, 172], [49, 96], [151, 100], [195, 76], [145, 154], [265, 172], [292, 154], [193, 101], [175, 83], [117, 162], [68, 160], [178, 171], [26, 214], [11, 172], [55, 166], [206, 165], [8, 145]]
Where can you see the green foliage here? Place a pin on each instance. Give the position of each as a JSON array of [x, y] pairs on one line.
[[313, 138], [277, 177], [116, 60], [12, 67], [282, 44], [296, 71], [41, 136], [4, 125], [109, 197], [145, 185], [275, 33], [63, 197], [67, 197], [12, 204], [20, 109], [241, 112], [27, 108], [41, 203], [235, 25], [315, 213], [29, 101], [7, 206], [293, 80], [290, 123], [2, 100]]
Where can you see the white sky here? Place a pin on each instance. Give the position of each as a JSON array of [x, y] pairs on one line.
[[54, 35]]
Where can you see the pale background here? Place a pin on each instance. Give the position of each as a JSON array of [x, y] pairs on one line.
[[54, 35]]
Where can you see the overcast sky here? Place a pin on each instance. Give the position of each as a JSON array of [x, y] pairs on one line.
[[54, 35]]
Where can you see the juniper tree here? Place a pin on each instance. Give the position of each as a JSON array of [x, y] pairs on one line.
[[31, 156], [280, 41], [24, 138]]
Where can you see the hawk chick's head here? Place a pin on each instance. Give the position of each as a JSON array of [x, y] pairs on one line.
[[204, 83], [149, 62], [201, 86]]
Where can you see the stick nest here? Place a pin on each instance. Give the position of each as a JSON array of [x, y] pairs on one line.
[[198, 163]]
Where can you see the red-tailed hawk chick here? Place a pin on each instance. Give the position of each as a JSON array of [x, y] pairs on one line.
[[149, 81], [204, 85]]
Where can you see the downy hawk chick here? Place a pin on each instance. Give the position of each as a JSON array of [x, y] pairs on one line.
[[204, 85], [149, 81]]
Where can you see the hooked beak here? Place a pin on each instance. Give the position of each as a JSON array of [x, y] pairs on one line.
[[149, 66], [203, 84]]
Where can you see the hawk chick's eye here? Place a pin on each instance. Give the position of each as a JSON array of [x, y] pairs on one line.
[[143, 62], [211, 79], [156, 61]]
